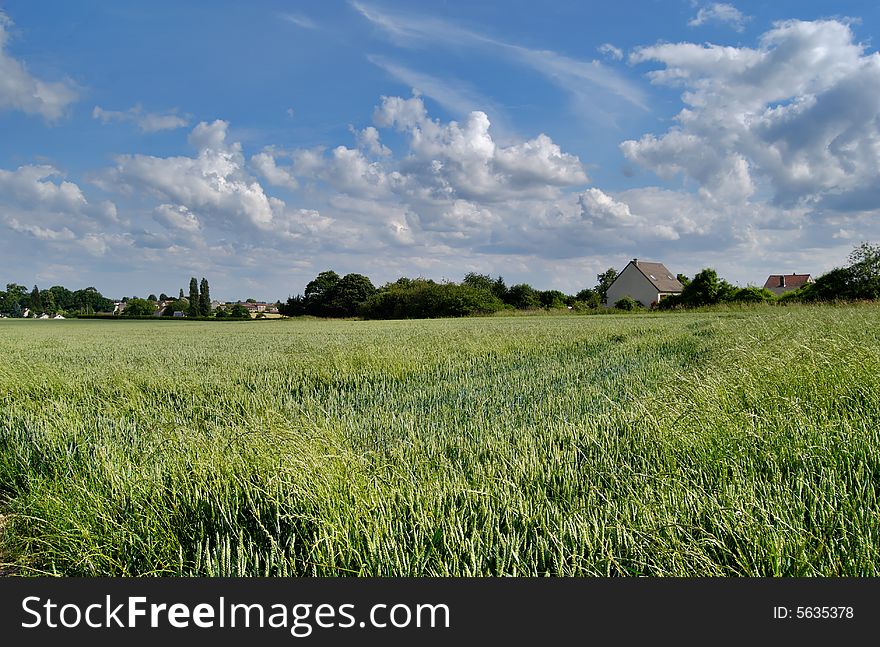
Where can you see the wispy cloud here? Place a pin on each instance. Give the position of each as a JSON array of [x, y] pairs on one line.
[[299, 20], [147, 122], [610, 51], [579, 78], [720, 12]]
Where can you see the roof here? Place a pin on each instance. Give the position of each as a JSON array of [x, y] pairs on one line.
[[660, 277], [787, 281]]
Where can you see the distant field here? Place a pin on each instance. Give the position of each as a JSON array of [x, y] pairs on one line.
[[726, 443]]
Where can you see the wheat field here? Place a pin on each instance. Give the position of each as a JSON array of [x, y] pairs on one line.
[[734, 442]]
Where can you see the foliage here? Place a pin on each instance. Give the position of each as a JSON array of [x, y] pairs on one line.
[[180, 305], [589, 298], [627, 304], [423, 298], [204, 298], [523, 297], [139, 308], [605, 279], [553, 299], [193, 310]]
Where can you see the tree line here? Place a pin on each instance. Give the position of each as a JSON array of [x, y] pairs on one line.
[[858, 280], [355, 295], [17, 299]]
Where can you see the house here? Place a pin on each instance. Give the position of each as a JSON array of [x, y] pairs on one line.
[[647, 283], [43, 316], [58, 317], [782, 283], [179, 313]]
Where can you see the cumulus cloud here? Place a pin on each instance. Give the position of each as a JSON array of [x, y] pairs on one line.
[[213, 183], [798, 115], [720, 12], [462, 160], [176, 217], [147, 122], [19, 90], [32, 186], [36, 202], [368, 140], [264, 163]]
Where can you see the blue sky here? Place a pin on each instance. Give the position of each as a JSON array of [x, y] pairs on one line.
[[260, 143]]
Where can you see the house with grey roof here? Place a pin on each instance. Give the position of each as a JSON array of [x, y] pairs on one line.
[[648, 283]]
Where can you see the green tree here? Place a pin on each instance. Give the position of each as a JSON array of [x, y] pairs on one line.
[[605, 279], [864, 272], [238, 311], [319, 293], [552, 299], [139, 308], [589, 297], [180, 296], [499, 289], [36, 300], [478, 281], [180, 305], [523, 297], [703, 290], [14, 299], [193, 310], [163, 297], [349, 294], [90, 301], [152, 297], [62, 297], [49, 302], [204, 299]]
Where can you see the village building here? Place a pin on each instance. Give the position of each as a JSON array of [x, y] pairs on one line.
[[782, 283], [647, 283]]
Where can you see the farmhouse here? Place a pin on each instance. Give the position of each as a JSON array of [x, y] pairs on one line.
[[782, 283], [647, 283]]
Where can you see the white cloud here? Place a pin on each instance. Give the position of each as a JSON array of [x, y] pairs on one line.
[[19, 90], [213, 184], [720, 12], [368, 140], [581, 79], [610, 51], [457, 97], [147, 122], [176, 217], [798, 116], [264, 163], [299, 20], [462, 160], [30, 186]]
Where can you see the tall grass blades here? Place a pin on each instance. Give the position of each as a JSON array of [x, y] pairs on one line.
[[741, 442]]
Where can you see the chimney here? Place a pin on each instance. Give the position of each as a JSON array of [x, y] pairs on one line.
[[782, 280]]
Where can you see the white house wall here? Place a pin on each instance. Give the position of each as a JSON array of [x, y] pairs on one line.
[[631, 283]]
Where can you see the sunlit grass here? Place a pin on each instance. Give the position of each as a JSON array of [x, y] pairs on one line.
[[732, 443]]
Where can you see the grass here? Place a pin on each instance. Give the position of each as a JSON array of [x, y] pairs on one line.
[[744, 442]]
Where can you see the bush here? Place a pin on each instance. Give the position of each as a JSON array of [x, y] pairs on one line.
[[628, 304]]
